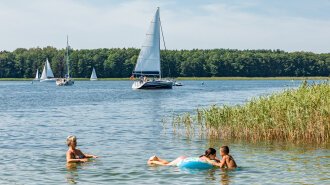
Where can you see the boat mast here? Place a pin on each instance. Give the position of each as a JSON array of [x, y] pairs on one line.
[[160, 71], [46, 67], [67, 56]]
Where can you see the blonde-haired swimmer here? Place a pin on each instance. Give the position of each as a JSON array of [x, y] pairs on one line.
[[74, 154]]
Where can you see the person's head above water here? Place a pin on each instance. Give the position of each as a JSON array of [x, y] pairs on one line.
[[224, 150], [210, 153], [70, 140]]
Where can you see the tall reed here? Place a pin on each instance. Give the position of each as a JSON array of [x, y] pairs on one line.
[[293, 115]]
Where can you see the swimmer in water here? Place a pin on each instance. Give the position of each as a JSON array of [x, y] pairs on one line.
[[226, 161], [74, 154], [209, 154]]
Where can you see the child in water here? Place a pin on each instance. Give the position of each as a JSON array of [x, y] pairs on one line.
[[227, 160], [209, 154]]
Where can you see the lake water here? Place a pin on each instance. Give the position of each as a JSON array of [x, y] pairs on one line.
[[124, 127]]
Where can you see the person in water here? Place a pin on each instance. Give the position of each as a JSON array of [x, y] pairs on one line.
[[74, 154], [226, 161], [210, 154]]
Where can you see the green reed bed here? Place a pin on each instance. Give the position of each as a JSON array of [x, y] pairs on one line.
[[254, 78], [292, 115], [16, 79]]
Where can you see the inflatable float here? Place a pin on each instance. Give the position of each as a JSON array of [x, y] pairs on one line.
[[194, 163]]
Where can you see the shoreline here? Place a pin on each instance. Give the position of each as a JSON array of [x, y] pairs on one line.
[[192, 78]]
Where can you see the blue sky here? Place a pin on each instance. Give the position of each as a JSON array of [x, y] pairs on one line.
[[292, 25]]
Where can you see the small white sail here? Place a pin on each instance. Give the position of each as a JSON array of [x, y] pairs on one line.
[[47, 72], [44, 71], [148, 62], [93, 76], [37, 75]]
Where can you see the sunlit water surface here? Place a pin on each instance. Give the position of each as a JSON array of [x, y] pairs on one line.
[[124, 127]]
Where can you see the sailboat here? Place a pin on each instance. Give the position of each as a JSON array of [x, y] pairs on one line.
[[93, 76], [37, 78], [66, 81], [148, 62], [47, 74]]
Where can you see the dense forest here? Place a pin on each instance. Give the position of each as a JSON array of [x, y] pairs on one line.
[[108, 63]]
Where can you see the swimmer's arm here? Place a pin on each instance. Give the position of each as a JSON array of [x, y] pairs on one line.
[[90, 156], [221, 164], [218, 160], [87, 155]]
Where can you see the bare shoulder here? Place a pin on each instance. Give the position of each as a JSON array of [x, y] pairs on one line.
[[226, 157], [230, 157], [232, 163], [69, 153]]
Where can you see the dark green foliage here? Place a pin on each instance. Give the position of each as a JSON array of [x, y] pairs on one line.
[[119, 63]]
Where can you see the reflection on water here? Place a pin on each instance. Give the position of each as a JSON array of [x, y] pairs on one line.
[[124, 127], [73, 170], [225, 175], [72, 174]]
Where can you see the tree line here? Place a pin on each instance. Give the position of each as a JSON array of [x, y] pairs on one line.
[[119, 63]]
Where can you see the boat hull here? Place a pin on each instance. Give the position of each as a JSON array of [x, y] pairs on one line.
[[156, 84], [66, 83], [48, 80], [177, 84]]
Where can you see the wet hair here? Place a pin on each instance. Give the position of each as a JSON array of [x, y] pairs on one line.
[[70, 139], [225, 149], [208, 152]]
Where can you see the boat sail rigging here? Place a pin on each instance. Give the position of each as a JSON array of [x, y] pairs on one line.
[[67, 80], [148, 62]]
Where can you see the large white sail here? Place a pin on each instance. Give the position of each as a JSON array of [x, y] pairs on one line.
[[93, 76], [148, 62]]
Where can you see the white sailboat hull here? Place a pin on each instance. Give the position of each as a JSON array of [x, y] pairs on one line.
[[93, 79], [48, 80], [152, 84]]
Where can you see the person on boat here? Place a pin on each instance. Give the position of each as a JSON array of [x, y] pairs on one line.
[[74, 154], [209, 154], [227, 160]]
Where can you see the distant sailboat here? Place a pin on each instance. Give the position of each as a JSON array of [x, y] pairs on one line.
[[93, 76], [37, 78], [148, 62], [47, 74], [66, 81]]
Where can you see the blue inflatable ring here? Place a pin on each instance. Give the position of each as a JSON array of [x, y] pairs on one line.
[[194, 164]]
